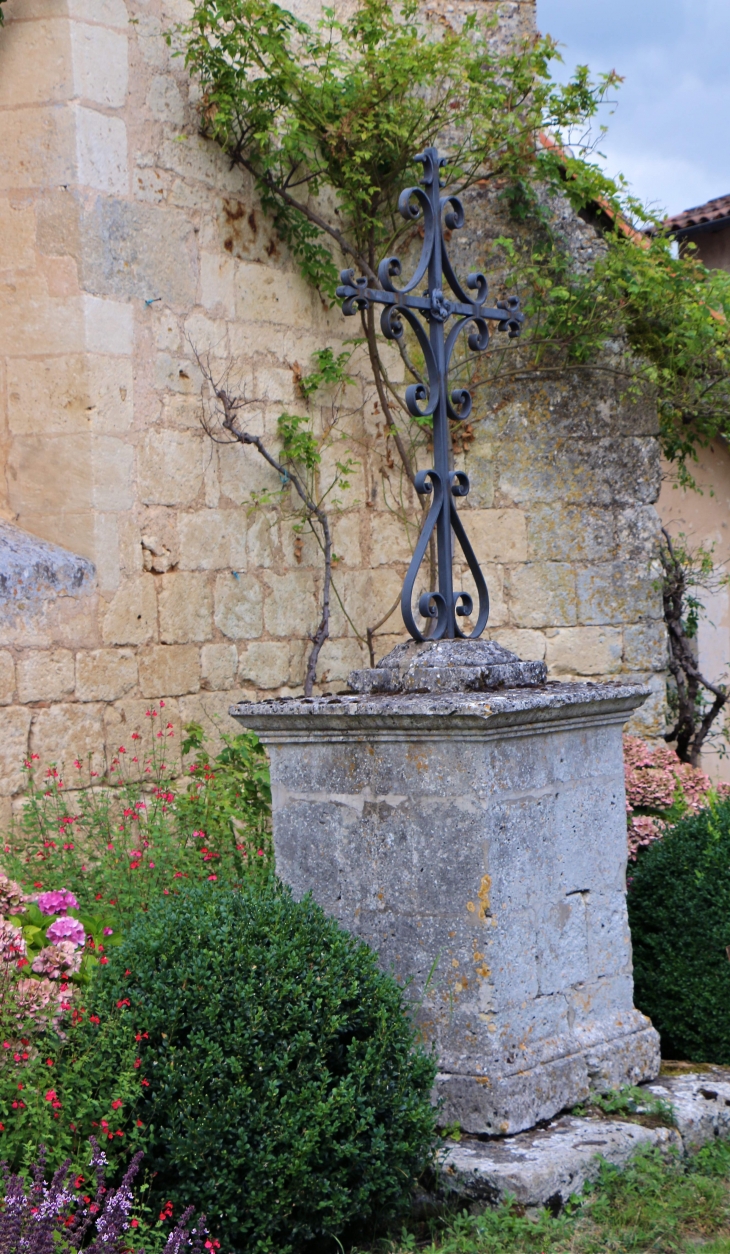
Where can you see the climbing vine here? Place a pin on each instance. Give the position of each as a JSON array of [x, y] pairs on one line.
[[326, 120]]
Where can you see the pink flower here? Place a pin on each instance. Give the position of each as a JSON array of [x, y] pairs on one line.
[[60, 901], [67, 929], [59, 960], [108, 931]]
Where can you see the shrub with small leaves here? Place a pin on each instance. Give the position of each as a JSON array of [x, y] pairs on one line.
[[679, 911], [284, 1091]]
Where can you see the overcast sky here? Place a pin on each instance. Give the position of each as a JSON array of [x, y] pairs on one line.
[[670, 133]]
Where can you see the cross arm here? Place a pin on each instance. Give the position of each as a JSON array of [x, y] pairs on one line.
[[356, 295]]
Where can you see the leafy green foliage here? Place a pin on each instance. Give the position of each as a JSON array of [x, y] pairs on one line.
[[672, 311], [679, 911], [344, 107], [287, 1097], [229, 798], [327, 119], [329, 371], [627, 1102], [59, 1090], [122, 837]]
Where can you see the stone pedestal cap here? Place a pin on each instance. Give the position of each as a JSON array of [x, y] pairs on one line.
[[448, 666]]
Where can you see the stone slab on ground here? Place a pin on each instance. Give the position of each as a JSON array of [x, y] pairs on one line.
[[701, 1102], [547, 1165]]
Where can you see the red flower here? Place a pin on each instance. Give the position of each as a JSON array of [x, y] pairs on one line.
[[124, 1001], [51, 1095], [116, 1104], [146, 1083], [137, 1063], [78, 1182], [103, 961], [49, 1062], [134, 1223], [142, 1036], [94, 1019], [139, 1123], [212, 877]]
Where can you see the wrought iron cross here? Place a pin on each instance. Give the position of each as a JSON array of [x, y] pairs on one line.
[[437, 347]]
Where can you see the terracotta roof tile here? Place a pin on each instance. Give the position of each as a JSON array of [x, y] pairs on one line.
[[714, 211]]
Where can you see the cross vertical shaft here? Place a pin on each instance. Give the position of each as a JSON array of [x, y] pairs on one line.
[[402, 304]]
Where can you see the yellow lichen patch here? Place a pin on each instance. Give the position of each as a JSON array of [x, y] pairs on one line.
[[483, 896], [484, 971], [454, 962], [470, 907]]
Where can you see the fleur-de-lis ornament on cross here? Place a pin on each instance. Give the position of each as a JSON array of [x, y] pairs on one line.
[[401, 303]]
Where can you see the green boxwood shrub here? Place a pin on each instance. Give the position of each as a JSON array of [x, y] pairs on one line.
[[679, 911], [282, 1091]]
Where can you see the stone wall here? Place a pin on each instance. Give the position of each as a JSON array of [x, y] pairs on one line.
[[126, 238]]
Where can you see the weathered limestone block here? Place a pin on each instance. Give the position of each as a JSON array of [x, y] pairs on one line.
[[7, 677], [33, 571], [46, 676], [701, 1103], [169, 670], [477, 841], [105, 674], [546, 1166]]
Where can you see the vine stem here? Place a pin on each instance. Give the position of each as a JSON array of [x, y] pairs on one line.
[[682, 666], [230, 406]]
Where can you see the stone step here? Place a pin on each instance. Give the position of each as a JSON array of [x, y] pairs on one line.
[[545, 1166]]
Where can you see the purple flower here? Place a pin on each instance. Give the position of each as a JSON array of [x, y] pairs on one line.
[[66, 929], [108, 931], [57, 902]]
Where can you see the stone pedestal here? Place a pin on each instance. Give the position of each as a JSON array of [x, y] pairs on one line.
[[476, 839]]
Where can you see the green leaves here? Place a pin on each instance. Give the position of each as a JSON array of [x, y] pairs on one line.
[[679, 911], [329, 118], [329, 371]]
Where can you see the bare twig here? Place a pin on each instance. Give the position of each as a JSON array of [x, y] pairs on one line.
[[372, 630], [230, 407]]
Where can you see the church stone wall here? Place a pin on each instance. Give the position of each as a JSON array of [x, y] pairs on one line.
[[126, 238]]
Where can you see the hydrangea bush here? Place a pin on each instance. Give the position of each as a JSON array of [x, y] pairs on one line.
[[660, 790]]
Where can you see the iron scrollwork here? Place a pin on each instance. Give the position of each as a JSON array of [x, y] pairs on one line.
[[403, 304]]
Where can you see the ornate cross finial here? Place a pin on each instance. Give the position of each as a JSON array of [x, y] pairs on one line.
[[445, 482]]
